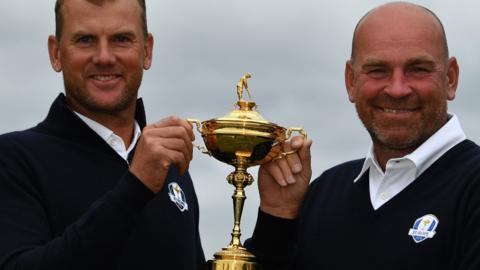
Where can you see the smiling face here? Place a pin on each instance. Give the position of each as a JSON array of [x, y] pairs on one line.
[[400, 77], [102, 52]]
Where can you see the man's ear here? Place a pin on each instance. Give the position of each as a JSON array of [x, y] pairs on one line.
[[147, 62], [452, 76], [54, 53], [349, 80]]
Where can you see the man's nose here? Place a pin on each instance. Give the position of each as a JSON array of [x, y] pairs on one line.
[[398, 86], [104, 54]]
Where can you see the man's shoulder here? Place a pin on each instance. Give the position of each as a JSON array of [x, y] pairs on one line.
[[464, 156], [23, 136], [469, 148], [12, 138], [17, 142], [462, 163]]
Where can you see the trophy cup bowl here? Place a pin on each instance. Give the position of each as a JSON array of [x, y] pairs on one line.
[[242, 138]]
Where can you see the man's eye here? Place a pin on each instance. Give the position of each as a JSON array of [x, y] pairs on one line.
[[377, 73], [420, 70], [122, 39], [85, 39]]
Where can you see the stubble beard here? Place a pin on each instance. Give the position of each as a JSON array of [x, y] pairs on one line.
[[82, 97], [416, 132]]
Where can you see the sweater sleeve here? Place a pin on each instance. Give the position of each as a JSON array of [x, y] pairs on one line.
[[273, 241], [26, 241]]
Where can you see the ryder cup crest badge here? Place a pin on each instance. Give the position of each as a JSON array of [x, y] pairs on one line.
[[424, 228], [177, 196]]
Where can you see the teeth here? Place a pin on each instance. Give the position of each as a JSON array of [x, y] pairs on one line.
[[389, 110], [104, 77]]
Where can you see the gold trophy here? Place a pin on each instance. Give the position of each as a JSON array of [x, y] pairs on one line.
[[242, 138]]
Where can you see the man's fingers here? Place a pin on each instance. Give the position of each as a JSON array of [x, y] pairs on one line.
[[305, 157], [293, 159], [275, 171], [173, 121], [169, 132], [304, 152], [178, 156], [284, 166], [294, 163], [177, 145], [297, 142]]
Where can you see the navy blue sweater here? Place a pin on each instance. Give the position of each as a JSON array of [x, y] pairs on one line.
[[68, 201], [339, 229]]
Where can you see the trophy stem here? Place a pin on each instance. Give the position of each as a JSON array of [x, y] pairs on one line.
[[240, 178], [235, 256], [238, 202]]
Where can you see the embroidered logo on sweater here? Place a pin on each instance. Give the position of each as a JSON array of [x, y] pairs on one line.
[[424, 228], [177, 196]]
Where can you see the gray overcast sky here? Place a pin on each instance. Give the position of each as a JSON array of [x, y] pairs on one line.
[[296, 51]]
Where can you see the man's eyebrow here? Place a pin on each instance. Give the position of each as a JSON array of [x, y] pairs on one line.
[[80, 34], [127, 33], [369, 63], [422, 60]]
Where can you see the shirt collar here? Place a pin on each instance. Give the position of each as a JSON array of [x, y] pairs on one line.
[[106, 134], [136, 135], [100, 129], [370, 161], [426, 154]]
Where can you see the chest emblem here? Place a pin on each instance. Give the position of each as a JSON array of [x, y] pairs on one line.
[[424, 228], [177, 196]]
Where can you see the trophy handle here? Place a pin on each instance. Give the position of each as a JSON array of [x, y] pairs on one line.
[[297, 129], [197, 123], [288, 135], [201, 148]]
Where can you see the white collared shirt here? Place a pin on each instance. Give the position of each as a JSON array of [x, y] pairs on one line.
[[111, 138], [401, 172]]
